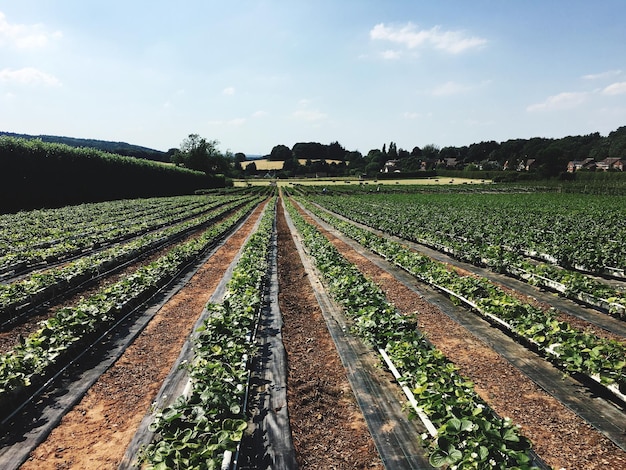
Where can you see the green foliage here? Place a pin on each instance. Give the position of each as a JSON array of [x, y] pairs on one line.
[[196, 430], [469, 434], [118, 148], [197, 153], [280, 153], [37, 174], [571, 349], [70, 232], [72, 327]]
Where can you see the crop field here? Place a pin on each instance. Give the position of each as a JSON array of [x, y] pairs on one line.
[[371, 326], [370, 184]]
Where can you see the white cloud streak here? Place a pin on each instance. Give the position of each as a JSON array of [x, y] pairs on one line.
[[615, 89], [566, 100], [571, 100], [411, 37], [25, 36], [602, 75], [450, 88], [28, 76]]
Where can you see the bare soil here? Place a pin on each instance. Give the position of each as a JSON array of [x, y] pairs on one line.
[[328, 429], [559, 437]]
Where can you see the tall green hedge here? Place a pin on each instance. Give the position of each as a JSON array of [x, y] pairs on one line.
[[36, 174]]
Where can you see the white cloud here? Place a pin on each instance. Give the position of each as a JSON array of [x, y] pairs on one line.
[[28, 76], [410, 115], [391, 54], [411, 37], [229, 91], [602, 75], [25, 36], [566, 100], [259, 114], [450, 88], [615, 89]]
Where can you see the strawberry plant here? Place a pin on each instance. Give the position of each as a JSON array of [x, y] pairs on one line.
[[203, 426], [469, 434]]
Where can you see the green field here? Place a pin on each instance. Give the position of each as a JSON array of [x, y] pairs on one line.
[[343, 181]]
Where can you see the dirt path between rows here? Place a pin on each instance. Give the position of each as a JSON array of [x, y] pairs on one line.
[[328, 429], [96, 432], [559, 437]]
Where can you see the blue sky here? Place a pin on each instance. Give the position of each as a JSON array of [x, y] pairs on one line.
[[256, 73]]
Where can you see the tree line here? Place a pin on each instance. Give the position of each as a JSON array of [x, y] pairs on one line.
[[119, 148], [543, 157], [37, 174]]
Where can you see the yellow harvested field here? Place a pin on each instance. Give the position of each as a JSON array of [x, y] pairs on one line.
[[264, 165]]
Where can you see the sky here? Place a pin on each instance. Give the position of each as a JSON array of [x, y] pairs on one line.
[[253, 74]]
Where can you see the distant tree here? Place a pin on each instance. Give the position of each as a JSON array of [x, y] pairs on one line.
[[416, 152], [449, 152], [250, 169], [310, 151], [375, 161], [336, 152], [291, 166], [240, 157], [392, 153], [430, 151], [200, 154], [481, 151], [280, 153], [617, 143]]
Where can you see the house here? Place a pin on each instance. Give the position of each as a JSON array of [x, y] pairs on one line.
[[449, 162], [526, 165], [391, 166], [586, 164], [611, 164]]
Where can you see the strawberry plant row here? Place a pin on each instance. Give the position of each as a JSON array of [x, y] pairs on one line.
[[580, 231], [42, 286], [102, 232], [468, 433], [35, 357], [577, 352], [572, 284], [27, 229], [203, 427]]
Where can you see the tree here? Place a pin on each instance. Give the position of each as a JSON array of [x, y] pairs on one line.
[[430, 151], [291, 166], [280, 153], [197, 153], [392, 153], [250, 169], [309, 151], [336, 151]]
